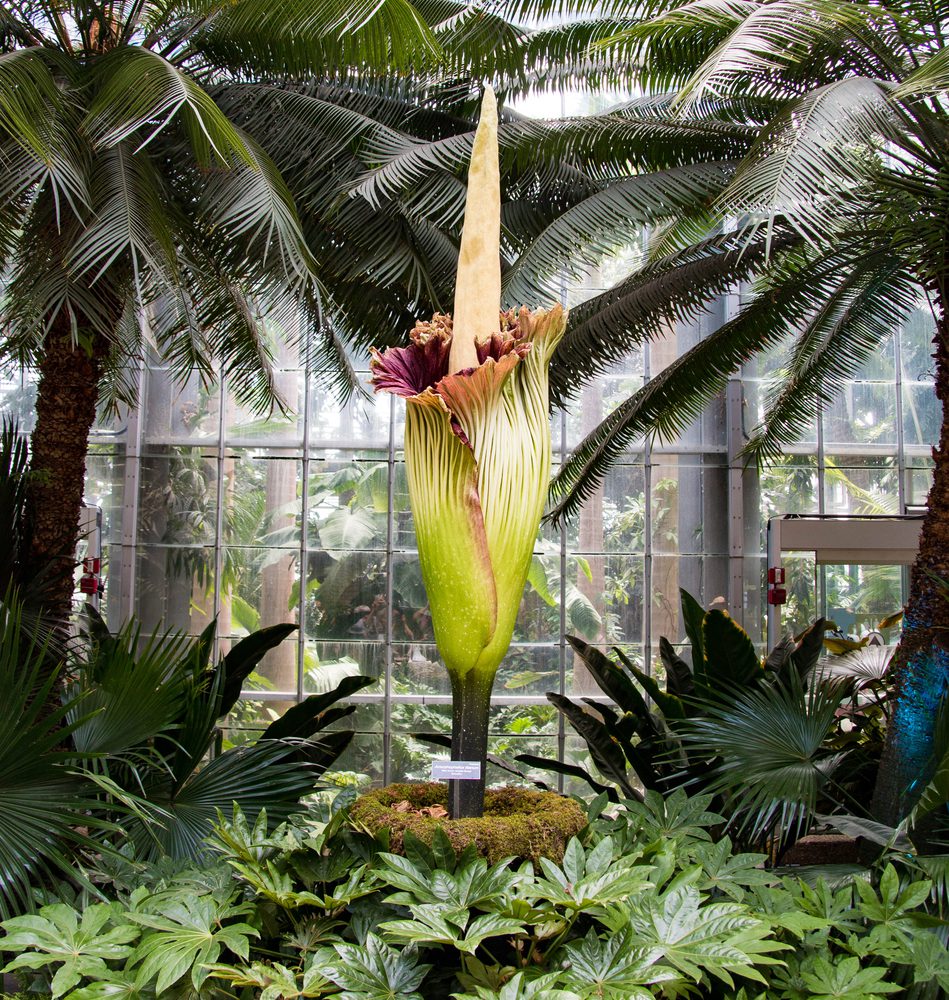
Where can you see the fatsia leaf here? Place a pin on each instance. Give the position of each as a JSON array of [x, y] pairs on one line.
[[188, 935], [715, 939], [618, 968], [520, 988], [373, 971], [79, 946], [846, 980]]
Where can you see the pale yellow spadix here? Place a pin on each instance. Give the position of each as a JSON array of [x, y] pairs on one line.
[[478, 285]]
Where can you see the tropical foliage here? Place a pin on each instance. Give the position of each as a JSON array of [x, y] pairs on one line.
[[128, 758], [645, 905], [766, 736], [801, 143], [209, 181]]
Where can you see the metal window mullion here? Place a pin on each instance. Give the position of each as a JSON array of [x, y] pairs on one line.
[[900, 436], [219, 514], [820, 571], [647, 532], [304, 527], [130, 499], [390, 596], [562, 638]]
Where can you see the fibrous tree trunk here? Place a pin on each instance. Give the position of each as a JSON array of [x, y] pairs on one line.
[[921, 663], [67, 394]]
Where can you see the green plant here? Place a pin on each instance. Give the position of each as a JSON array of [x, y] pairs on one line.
[[816, 130], [645, 736], [151, 712], [478, 453], [49, 811], [650, 905]]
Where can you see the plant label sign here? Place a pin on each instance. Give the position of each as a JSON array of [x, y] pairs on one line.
[[456, 770]]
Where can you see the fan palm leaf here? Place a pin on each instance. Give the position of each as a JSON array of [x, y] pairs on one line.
[[46, 806], [769, 744]]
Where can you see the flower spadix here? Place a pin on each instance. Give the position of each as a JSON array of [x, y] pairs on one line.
[[477, 436]]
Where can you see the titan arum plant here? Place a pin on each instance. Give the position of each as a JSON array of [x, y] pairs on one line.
[[477, 450]]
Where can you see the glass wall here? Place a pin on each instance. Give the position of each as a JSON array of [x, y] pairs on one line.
[[212, 512]]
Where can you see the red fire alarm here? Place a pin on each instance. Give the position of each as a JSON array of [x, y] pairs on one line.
[[89, 581]]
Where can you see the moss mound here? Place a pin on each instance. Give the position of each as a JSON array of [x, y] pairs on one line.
[[517, 822]]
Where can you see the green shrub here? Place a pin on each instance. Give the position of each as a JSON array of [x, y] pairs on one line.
[[647, 905]]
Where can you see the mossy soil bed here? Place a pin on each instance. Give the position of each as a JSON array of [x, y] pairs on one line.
[[517, 822]]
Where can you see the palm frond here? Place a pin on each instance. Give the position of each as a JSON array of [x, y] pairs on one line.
[[932, 77], [258, 777], [253, 210], [763, 40], [127, 692], [677, 288], [584, 233], [45, 804], [679, 393], [36, 116], [131, 224], [298, 38], [842, 334], [807, 166], [770, 744], [139, 94]]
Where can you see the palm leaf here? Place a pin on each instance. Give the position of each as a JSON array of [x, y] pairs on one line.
[[843, 334], [46, 804], [258, 777], [762, 40], [605, 328], [138, 91], [131, 222], [806, 165], [583, 234], [298, 38], [770, 744], [34, 113]]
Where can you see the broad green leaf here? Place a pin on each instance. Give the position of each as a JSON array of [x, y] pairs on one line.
[[188, 936], [373, 971], [617, 968], [730, 656], [844, 979]]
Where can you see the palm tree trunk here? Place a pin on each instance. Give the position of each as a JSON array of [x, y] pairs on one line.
[[921, 666], [65, 411]]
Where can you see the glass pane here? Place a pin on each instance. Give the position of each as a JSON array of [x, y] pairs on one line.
[[175, 587], [919, 478], [859, 597], [177, 496], [362, 422], [861, 486], [282, 426], [180, 413], [863, 413], [921, 417]]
